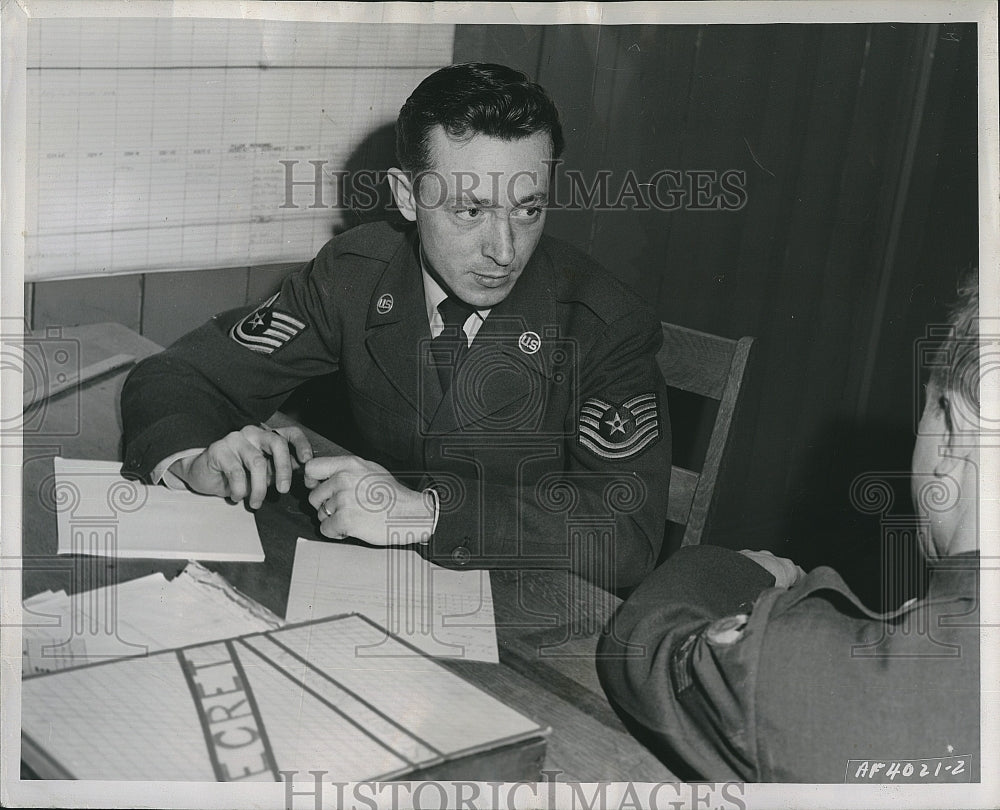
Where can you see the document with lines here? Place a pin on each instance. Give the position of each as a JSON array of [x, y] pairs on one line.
[[204, 143], [336, 695], [443, 613]]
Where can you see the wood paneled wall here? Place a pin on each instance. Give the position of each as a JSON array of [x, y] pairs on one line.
[[160, 306]]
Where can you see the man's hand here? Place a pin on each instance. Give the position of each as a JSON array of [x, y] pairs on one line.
[[358, 498], [785, 572], [244, 463]]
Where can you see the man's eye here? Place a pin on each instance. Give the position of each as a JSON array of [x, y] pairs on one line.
[[468, 213], [528, 213]]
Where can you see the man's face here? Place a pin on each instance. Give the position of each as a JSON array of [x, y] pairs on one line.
[[932, 434], [943, 481], [480, 211]]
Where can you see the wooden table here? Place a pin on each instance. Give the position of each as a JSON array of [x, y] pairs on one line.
[[547, 621]]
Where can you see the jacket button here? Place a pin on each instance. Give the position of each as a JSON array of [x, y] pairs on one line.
[[461, 555]]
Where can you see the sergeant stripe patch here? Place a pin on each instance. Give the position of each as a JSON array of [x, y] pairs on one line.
[[266, 329], [617, 432]]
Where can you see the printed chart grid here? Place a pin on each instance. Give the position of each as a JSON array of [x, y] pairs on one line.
[[155, 144], [134, 719]]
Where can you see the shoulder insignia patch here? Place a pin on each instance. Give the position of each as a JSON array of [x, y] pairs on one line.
[[618, 432], [266, 330], [680, 663]]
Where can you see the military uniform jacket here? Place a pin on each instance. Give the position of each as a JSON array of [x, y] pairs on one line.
[[551, 450], [736, 679]]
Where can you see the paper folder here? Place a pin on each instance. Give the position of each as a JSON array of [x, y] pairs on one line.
[[338, 695]]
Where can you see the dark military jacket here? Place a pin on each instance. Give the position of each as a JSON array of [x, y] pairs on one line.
[[550, 450], [740, 680]]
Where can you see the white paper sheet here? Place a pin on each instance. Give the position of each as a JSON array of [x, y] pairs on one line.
[[136, 617], [441, 612], [99, 513]]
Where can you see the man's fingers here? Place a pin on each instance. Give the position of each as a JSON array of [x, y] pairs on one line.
[[236, 477], [221, 461], [251, 459], [299, 442], [276, 446], [331, 526], [332, 503], [785, 572], [255, 463], [319, 469], [321, 492]]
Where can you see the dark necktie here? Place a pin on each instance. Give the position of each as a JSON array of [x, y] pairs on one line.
[[450, 346]]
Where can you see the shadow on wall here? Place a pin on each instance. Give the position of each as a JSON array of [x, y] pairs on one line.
[[322, 402], [852, 510], [366, 195]]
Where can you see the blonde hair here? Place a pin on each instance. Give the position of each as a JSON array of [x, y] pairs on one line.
[[959, 377]]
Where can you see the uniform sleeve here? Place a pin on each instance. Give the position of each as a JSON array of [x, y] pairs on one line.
[[604, 515], [233, 371], [678, 660]]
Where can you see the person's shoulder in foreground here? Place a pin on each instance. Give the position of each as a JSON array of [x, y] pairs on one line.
[[739, 666]]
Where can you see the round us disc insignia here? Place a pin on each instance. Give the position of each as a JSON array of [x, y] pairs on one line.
[[529, 342]]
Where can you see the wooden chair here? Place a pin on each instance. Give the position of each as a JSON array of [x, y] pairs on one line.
[[713, 367]]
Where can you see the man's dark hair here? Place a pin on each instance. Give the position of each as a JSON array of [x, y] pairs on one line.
[[472, 99]]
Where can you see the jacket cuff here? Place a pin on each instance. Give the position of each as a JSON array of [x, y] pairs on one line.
[[460, 540], [171, 435], [710, 579], [161, 472]]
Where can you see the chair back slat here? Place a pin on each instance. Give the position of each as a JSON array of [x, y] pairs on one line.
[[683, 483], [713, 367], [695, 361]]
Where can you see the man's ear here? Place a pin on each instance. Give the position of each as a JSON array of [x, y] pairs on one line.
[[403, 193], [947, 462], [955, 420]]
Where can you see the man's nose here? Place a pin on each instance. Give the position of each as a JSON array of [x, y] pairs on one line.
[[499, 244]]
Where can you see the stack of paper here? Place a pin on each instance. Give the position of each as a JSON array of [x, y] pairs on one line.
[[102, 514], [439, 611], [134, 618]]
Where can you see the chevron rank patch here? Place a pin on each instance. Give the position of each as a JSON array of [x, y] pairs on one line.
[[266, 329], [618, 432]]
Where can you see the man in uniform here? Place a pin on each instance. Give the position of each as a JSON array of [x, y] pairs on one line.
[[504, 385], [737, 665]]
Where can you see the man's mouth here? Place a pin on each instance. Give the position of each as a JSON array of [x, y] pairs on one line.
[[491, 279]]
